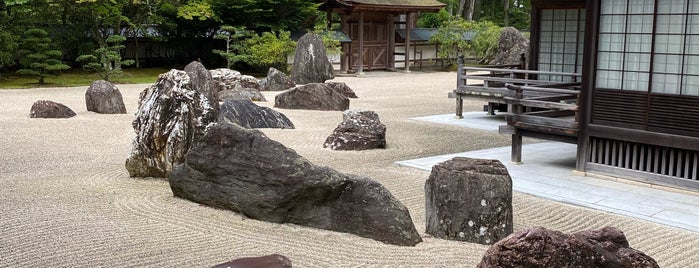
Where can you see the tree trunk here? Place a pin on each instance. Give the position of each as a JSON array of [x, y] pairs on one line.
[[471, 10], [462, 5], [506, 12]]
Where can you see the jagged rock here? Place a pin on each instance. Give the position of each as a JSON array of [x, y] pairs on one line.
[[343, 89], [50, 109], [314, 96], [469, 200], [244, 171], [269, 261], [276, 81], [104, 98], [172, 115], [249, 115], [201, 81], [311, 64], [359, 130], [230, 84], [224, 74], [541, 247], [511, 47]]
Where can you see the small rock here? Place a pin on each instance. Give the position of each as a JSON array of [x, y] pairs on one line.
[[269, 261], [541, 247], [359, 130], [276, 81], [50, 109], [469, 200], [103, 97]]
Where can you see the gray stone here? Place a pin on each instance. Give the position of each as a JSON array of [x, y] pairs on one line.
[[249, 115], [469, 200], [172, 115], [230, 84], [314, 96], [238, 93], [311, 64], [276, 81], [359, 130], [269, 261], [541, 247], [50, 109], [242, 170], [512, 45], [343, 89], [202, 82], [104, 98]]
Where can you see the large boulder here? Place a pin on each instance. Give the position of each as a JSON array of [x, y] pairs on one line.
[[311, 64], [230, 84], [104, 98], [541, 247], [244, 171], [247, 114], [470, 200], [314, 96], [276, 81], [172, 115], [343, 89], [512, 47], [359, 130], [50, 109], [269, 261]]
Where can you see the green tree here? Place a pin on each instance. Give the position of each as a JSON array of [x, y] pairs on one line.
[[8, 42], [270, 49], [235, 49], [454, 36], [106, 61], [38, 59], [265, 15]]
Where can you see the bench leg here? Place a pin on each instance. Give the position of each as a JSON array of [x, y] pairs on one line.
[[516, 157], [459, 107]]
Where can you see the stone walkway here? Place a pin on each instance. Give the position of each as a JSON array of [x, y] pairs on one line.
[[547, 172]]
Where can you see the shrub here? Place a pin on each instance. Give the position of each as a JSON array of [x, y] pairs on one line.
[[106, 61]]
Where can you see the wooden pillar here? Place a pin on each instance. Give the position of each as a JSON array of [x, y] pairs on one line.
[[391, 42], [346, 49], [517, 109], [360, 52], [408, 27]]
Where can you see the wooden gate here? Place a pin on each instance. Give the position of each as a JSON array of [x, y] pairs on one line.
[[375, 50]]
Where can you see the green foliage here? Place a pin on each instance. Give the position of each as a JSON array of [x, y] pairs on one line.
[[235, 49], [265, 15], [433, 20], [200, 10], [270, 49], [330, 40], [8, 42], [453, 35], [485, 43], [38, 59], [106, 60]]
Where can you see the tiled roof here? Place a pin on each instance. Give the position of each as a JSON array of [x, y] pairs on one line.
[[414, 3]]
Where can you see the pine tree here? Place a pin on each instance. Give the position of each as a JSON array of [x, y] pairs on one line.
[[38, 59], [106, 60]]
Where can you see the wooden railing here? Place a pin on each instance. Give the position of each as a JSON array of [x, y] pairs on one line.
[[492, 81], [551, 118], [538, 108]]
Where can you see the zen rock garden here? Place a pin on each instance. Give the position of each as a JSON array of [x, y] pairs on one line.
[[198, 128]]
